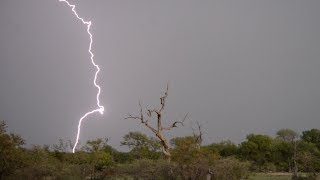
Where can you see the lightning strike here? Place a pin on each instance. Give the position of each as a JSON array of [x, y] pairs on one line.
[[100, 108]]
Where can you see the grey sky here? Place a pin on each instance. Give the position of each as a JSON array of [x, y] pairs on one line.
[[238, 67]]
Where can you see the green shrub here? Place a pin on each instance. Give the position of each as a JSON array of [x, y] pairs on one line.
[[146, 169], [230, 169]]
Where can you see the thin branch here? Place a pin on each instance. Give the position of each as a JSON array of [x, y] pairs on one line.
[[150, 111], [198, 137], [174, 124], [141, 118], [163, 99]]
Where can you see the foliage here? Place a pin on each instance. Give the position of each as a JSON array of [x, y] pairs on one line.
[[193, 162], [11, 154], [291, 137], [142, 146], [312, 136], [189, 160], [287, 135], [308, 157], [122, 157], [146, 169], [282, 153], [224, 148], [95, 145], [257, 149], [230, 169], [270, 176]]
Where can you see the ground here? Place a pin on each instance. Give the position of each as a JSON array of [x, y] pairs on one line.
[[271, 176]]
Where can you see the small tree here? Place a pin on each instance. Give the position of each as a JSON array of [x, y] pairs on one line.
[[141, 145], [159, 129], [10, 151], [192, 161], [291, 137], [98, 158], [308, 157], [257, 148], [312, 136]]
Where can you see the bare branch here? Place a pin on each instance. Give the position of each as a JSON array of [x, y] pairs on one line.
[[174, 124], [198, 137], [163, 99], [142, 120], [150, 111], [132, 117]]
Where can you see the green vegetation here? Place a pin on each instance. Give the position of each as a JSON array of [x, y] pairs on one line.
[[259, 157]]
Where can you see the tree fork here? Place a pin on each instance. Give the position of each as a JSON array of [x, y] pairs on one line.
[[159, 129]]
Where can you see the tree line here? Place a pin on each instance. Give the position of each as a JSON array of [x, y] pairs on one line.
[[96, 159]]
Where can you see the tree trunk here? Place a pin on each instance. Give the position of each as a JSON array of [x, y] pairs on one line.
[[164, 146], [295, 165]]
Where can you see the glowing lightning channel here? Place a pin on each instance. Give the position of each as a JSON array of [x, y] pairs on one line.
[[100, 108]]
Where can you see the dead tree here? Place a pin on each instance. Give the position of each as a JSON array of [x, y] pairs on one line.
[[198, 139], [198, 136], [159, 128]]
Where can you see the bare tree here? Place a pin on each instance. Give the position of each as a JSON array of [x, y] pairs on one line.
[[198, 137], [159, 128]]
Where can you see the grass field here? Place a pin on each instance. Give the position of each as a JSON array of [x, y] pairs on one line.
[[271, 176]]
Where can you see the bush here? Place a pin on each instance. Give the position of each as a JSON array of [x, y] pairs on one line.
[[145, 169], [230, 169], [268, 167]]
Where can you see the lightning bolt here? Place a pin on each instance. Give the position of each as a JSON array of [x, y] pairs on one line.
[[100, 108]]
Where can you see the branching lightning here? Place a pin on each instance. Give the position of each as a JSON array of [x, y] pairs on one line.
[[100, 107]]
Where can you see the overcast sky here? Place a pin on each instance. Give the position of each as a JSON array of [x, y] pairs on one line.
[[236, 66]]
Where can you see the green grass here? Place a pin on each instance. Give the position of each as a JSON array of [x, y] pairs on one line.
[[270, 176]]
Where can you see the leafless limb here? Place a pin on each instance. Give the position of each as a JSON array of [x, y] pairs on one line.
[[174, 124]]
